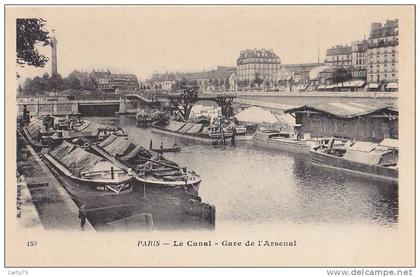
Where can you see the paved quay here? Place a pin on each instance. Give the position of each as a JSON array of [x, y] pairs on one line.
[[45, 203]]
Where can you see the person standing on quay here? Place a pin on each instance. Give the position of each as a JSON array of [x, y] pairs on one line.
[[82, 216]]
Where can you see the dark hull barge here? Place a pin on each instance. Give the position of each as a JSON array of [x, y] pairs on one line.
[[166, 150], [89, 178], [33, 134], [39, 136], [365, 159], [151, 171]]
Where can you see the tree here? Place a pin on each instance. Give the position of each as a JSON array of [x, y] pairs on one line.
[[73, 83], [252, 84], [258, 79], [89, 84], [216, 84], [55, 83], [341, 75], [29, 33], [34, 86], [227, 85]]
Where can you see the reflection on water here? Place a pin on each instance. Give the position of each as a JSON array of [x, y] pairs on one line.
[[253, 186]]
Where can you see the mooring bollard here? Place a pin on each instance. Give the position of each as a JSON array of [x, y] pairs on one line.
[[148, 219]]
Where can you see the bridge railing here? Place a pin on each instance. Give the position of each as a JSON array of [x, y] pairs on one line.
[[99, 97]]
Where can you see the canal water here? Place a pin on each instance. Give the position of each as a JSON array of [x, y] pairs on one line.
[[252, 186]]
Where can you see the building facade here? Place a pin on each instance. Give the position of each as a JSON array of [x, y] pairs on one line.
[[101, 78], [123, 81], [301, 71], [82, 76], [257, 66], [358, 73], [326, 75], [339, 56], [221, 79], [160, 81], [107, 81], [382, 70], [348, 120], [359, 54]]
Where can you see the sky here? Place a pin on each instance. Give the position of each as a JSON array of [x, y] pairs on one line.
[[144, 40]]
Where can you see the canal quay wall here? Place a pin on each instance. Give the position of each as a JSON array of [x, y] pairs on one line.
[[44, 203], [114, 105], [293, 99], [94, 107], [72, 107]]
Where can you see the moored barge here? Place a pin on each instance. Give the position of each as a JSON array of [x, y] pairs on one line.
[[44, 133], [89, 178], [372, 160], [150, 170], [282, 141]]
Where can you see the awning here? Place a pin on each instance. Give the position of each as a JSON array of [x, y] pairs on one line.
[[363, 157], [355, 83], [389, 142], [392, 86], [373, 85], [256, 115], [285, 78], [363, 146]]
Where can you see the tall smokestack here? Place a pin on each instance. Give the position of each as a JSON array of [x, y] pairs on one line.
[[54, 43]]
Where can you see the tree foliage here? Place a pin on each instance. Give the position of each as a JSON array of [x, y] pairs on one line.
[[30, 32], [341, 75], [258, 79], [184, 83], [73, 83], [89, 84]]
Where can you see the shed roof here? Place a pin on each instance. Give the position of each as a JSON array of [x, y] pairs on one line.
[[344, 110]]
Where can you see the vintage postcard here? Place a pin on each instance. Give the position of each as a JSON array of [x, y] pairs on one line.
[[209, 136]]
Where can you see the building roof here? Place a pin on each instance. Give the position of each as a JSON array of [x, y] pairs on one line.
[[222, 72], [390, 28], [329, 70], [303, 64], [213, 74], [360, 46], [339, 50], [345, 110], [258, 53], [347, 84], [389, 142]]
